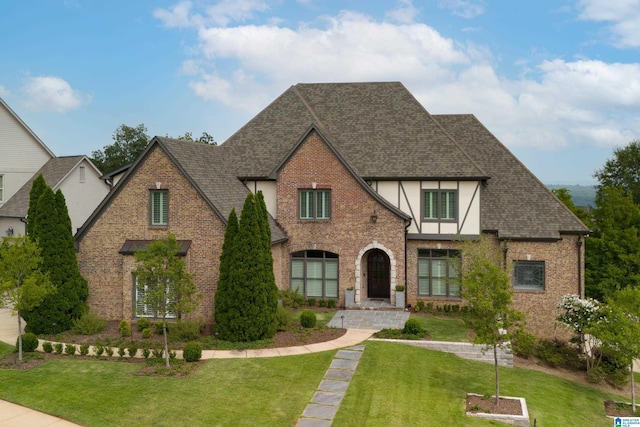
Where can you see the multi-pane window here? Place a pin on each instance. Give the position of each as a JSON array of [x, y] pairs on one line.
[[140, 308], [315, 273], [528, 275], [439, 205], [314, 204], [1, 188], [159, 207], [439, 273]]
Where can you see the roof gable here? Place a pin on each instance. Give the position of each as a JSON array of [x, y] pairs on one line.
[[26, 128]]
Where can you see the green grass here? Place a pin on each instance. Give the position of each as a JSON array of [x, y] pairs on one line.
[[444, 329], [5, 349], [399, 385], [395, 385], [322, 317]]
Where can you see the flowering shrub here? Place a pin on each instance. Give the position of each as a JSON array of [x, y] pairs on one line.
[[581, 316]]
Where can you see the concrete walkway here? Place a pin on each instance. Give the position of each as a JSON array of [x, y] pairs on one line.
[[369, 319], [12, 415]]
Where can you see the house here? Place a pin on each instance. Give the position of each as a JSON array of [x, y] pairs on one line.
[[25, 157], [365, 190]]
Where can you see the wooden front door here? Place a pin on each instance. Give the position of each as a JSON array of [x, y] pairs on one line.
[[378, 281]]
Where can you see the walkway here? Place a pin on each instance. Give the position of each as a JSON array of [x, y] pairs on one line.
[[369, 319]]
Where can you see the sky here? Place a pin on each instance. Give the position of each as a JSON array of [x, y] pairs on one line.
[[558, 82]]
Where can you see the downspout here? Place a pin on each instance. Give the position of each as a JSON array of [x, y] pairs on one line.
[[406, 284], [579, 245]]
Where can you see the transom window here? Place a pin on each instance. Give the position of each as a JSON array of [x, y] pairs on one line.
[[439, 273], [140, 308], [315, 273], [528, 275], [439, 205], [314, 204], [159, 207]]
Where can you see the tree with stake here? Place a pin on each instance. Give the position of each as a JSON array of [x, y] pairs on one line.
[[23, 284], [486, 286], [165, 285], [619, 331]]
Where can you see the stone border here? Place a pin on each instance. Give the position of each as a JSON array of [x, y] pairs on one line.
[[518, 420]]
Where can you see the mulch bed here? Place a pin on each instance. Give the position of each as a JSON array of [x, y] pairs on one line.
[[480, 404], [619, 409]]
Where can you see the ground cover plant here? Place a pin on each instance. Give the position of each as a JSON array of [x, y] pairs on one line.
[[394, 385]]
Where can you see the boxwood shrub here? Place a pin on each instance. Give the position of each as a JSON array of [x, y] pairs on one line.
[[308, 319], [192, 352]]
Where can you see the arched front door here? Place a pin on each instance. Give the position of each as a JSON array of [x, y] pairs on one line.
[[378, 278]]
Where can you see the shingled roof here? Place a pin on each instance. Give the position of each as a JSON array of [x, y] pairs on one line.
[[54, 171], [382, 130], [515, 204]]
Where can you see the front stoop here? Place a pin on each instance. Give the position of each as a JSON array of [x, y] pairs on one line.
[[517, 420], [327, 398]]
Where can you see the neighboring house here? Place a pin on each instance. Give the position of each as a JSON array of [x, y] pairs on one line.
[[24, 157], [365, 189]]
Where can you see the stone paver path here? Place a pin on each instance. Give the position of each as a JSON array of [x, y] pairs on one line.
[[327, 398], [369, 319]]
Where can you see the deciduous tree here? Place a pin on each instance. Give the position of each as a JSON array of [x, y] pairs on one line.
[[486, 287], [164, 283], [128, 143], [23, 283]]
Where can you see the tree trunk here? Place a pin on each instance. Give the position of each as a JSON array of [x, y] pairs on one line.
[[495, 359], [19, 338], [166, 345], [633, 390]]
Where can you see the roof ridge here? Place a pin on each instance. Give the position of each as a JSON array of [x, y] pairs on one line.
[[316, 119]]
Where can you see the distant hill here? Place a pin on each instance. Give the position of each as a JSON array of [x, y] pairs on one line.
[[582, 195]]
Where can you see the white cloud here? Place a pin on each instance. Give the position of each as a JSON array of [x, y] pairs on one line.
[[50, 93], [4, 92], [624, 16], [554, 105], [221, 13], [405, 13], [463, 8], [179, 16]]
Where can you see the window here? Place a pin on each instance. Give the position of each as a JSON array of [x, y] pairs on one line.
[[1, 188], [82, 174], [160, 207], [315, 273], [528, 275], [141, 309], [439, 205], [439, 273], [314, 204]]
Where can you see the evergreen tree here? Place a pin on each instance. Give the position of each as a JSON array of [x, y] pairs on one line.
[[223, 315], [37, 188], [248, 312], [51, 228]]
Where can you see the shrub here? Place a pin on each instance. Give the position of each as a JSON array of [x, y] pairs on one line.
[[89, 324], [291, 298], [157, 353], [413, 327], [58, 348], [99, 349], [192, 352], [70, 349], [84, 349], [146, 353], [146, 333], [455, 308], [558, 353], [311, 302], [121, 351], [523, 344], [429, 306], [172, 355], [142, 324], [109, 351], [132, 350], [125, 328], [615, 368], [331, 303], [29, 342], [419, 306], [186, 330], [308, 319], [47, 347], [322, 303], [283, 318], [157, 328]]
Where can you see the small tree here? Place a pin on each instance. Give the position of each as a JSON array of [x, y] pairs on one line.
[[23, 284], [166, 286], [580, 316], [620, 330], [486, 286], [224, 294]]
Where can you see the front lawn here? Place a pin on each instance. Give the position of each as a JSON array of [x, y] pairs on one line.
[[394, 385], [443, 328]]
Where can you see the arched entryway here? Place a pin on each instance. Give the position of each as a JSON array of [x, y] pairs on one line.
[[378, 274]]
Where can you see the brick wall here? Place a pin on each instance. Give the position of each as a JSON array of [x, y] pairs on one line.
[[127, 217], [540, 307], [350, 228]]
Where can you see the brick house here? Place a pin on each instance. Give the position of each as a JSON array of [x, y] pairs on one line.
[[365, 189]]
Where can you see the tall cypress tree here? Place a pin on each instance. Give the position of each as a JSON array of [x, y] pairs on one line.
[[223, 315], [51, 227], [248, 313], [37, 188]]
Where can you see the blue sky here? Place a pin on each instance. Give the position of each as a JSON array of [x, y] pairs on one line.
[[558, 82]]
